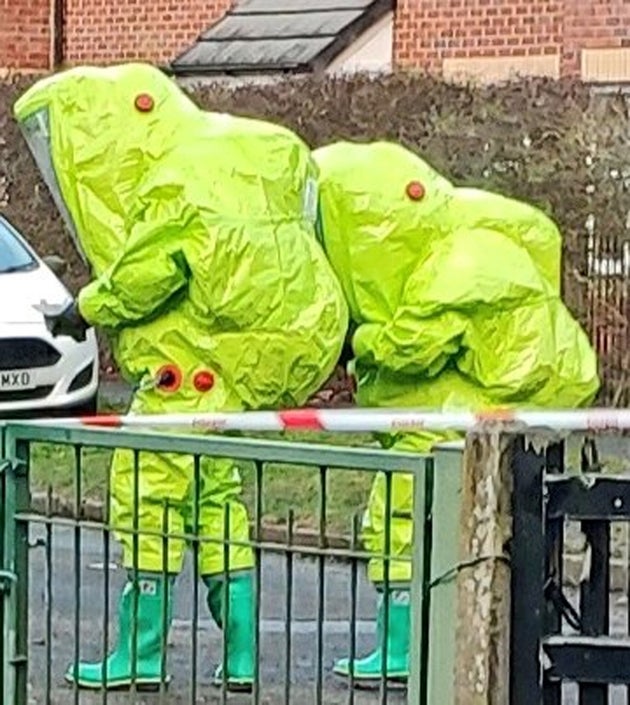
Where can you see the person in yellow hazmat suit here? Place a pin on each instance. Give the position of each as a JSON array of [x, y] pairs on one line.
[[454, 298], [199, 229]]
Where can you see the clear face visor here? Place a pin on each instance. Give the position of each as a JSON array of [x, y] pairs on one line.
[[36, 132]]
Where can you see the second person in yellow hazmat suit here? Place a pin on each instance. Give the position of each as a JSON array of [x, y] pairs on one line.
[[454, 295], [199, 231]]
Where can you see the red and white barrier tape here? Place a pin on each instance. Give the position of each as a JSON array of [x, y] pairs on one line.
[[365, 420]]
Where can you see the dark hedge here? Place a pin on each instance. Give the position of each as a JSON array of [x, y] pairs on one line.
[[552, 143]]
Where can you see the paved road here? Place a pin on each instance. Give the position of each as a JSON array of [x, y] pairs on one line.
[[62, 606]]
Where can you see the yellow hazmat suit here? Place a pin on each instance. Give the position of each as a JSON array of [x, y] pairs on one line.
[[455, 295], [199, 230]]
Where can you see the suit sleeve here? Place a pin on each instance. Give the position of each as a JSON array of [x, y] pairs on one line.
[[464, 289], [150, 270]]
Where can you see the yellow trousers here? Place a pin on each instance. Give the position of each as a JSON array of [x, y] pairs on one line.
[[162, 501], [401, 527]]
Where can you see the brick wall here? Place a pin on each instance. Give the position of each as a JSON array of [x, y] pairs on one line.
[[427, 32], [24, 34], [593, 24], [432, 31], [103, 31]]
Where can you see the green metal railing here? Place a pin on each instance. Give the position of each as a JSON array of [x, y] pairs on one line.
[[46, 589]]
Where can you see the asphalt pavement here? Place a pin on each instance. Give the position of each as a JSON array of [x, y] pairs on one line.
[[75, 607]]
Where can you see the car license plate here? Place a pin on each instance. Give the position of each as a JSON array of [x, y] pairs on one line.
[[12, 380]]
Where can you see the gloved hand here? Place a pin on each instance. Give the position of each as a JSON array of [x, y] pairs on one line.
[[69, 322]]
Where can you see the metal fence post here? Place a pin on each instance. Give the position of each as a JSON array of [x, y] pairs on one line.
[[553, 529], [16, 567], [420, 595], [3, 518], [442, 586], [527, 554]]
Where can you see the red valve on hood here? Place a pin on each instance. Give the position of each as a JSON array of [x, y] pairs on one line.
[[415, 191], [144, 103], [203, 381]]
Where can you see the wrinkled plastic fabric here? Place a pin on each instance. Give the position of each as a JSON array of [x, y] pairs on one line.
[[200, 232], [456, 301]]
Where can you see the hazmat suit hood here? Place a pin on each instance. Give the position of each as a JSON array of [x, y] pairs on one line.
[[382, 203], [356, 235], [93, 132]]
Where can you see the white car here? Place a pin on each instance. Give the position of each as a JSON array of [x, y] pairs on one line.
[[40, 375]]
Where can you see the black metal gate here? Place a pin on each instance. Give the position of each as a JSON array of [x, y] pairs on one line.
[[561, 636]]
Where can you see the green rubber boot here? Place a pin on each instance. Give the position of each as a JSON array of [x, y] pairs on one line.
[[239, 630], [116, 672], [370, 668]]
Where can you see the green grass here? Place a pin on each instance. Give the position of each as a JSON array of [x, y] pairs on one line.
[[285, 487]]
